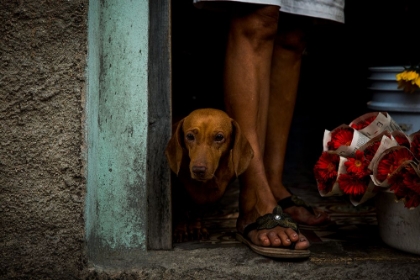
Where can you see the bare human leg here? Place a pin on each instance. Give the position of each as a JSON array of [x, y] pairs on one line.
[[247, 84], [285, 71]]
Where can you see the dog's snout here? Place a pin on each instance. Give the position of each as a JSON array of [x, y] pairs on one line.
[[199, 171]]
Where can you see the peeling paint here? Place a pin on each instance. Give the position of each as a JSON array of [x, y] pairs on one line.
[[116, 128]]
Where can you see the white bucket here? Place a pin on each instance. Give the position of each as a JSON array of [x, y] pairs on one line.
[[399, 227], [403, 107]]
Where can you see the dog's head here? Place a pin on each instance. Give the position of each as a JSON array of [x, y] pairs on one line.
[[207, 137]]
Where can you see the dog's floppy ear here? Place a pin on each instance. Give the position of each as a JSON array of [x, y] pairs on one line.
[[241, 153], [174, 150]]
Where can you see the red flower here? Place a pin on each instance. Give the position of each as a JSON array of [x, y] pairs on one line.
[[370, 151], [326, 167], [363, 123], [412, 201], [391, 161], [406, 185], [341, 136], [415, 145], [325, 170], [326, 186], [397, 185], [352, 185], [412, 180], [372, 146], [401, 138], [357, 166]]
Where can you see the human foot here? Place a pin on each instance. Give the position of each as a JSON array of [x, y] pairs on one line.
[[303, 214], [274, 235]]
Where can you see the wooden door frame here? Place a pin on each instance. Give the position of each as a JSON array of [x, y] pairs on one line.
[[160, 121]]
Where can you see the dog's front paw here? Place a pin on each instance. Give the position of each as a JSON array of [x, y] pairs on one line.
[[193, 231], [197, 231], [180, 233]]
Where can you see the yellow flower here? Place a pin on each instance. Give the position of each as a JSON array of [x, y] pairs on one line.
[[412, 75], [407, 75], [417, 82], [408, 80]]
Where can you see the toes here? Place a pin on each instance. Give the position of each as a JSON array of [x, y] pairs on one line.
[[278, 237], [262, 239], [303, 243], [275, 239], [284, 237], [291, 234]]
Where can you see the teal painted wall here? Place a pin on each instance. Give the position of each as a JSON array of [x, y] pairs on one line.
[[116, 125]]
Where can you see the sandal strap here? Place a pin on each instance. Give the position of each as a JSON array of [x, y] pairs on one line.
[[272, 220], [294, 200]]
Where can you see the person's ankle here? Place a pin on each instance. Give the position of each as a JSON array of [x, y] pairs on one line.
[[281, 193]]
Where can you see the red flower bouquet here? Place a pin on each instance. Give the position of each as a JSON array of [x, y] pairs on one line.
[[415, 144], [342, 136], [369, 155], [406, 184], [356, 182], [361, 123], [327, 170], [358, 166], [357, 178], [372, 124], [377, 145], [388, 162], [401, 138], [353, 185], [343, 140]]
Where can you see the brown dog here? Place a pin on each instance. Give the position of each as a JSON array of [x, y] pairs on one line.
[[207, 152]]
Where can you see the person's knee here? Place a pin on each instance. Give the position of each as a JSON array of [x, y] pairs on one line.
[[259, 24], [293, 40]]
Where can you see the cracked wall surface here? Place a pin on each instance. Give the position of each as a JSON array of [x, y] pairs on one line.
[[43, 50]]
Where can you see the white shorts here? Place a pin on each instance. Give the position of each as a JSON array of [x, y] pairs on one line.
[[325, 9]]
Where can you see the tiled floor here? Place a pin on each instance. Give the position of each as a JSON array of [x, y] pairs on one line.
[[355, 237], [358, 223]]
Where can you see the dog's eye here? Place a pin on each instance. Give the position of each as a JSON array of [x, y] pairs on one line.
[[190, 137], [219, 138]]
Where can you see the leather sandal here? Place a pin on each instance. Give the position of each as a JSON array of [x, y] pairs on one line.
[[269, 221]]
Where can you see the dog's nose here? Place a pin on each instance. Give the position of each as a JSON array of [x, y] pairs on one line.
[[199, 171]]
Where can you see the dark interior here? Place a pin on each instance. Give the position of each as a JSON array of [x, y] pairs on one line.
[[333, 78]]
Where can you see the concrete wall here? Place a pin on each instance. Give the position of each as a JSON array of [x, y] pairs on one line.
[[43, 51], [85, 116]]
